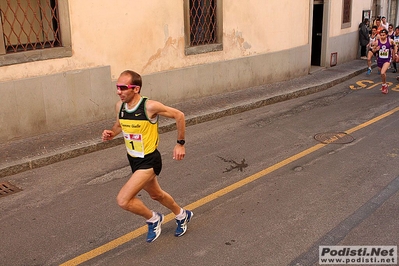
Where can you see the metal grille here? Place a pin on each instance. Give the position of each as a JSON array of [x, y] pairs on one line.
[[7, 188], [29, 24], [334, 137], [202, 22]]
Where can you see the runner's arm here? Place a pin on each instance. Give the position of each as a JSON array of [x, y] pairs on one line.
[[155, 108], [116, 128]]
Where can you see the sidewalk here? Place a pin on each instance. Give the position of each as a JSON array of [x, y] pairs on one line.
[[25, 154]]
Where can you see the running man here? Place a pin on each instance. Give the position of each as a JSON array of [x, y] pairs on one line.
[[395, 38], [373, 37], [386, 48], [137, 119]]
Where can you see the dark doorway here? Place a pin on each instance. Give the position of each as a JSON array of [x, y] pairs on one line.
[[317, 30]]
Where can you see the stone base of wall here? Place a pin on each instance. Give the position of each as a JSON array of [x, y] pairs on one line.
[[209, 79], [43, 104], [346, 46]]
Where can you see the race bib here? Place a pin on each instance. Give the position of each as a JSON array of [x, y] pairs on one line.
[[134, 144], [383, 52]]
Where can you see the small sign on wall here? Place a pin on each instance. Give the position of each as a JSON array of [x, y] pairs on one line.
[[333, 59], [366, 14]]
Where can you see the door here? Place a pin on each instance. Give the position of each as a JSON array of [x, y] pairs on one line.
[[317, 33]]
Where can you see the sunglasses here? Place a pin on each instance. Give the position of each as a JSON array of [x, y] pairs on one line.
[[123, 87]]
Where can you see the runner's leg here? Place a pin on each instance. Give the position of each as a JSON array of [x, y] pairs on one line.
[[156, 193], [127, 199]]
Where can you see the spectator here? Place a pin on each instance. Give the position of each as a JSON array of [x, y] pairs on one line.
[[364, 38]]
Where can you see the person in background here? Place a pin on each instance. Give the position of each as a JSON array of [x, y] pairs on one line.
[[375, 20], [395, 38], [373, 37], [384, 22], [364, 38], [391, 31], [379, 25]]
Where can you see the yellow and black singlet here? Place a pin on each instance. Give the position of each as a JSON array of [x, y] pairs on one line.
[[139, 131]]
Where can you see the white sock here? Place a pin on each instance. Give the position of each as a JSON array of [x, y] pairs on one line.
[[181, 215], [154, 218]]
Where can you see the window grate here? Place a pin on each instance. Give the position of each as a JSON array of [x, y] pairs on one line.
[[346, 18], [30, 25], [202, 22]]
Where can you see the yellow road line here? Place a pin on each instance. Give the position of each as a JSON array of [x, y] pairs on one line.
[[378, 118], [142, 230]]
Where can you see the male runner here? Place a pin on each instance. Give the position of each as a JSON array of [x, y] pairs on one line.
[[137, 118], [383, 46]]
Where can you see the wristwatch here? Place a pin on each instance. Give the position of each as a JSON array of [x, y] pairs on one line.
[[181, 141]]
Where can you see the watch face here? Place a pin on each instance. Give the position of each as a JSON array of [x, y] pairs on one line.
[[181, 142]]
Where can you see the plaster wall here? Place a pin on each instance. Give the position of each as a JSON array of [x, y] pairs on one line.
[[335, 23], [148, 36], [263, 42]]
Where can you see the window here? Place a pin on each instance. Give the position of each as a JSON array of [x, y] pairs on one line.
[[203, 26], [29, 27], [346, 15]]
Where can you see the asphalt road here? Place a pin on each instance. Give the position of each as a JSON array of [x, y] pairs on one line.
[[262, 189]]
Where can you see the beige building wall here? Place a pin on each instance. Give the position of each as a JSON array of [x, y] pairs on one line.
[[358, 6], [343, 40], [263, 42], [148, 36]]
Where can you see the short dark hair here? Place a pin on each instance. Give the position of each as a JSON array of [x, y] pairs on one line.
[[384, 31], [136, 78]]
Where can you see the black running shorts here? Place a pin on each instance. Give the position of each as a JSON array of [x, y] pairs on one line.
[[152, 160]]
